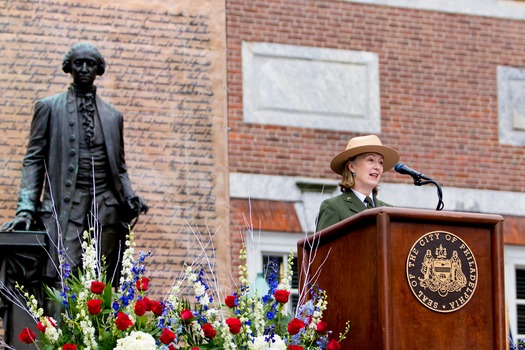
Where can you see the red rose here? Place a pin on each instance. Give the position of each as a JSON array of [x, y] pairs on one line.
[[295, 347], [94, 306], [27, 336], [123, 321], [172, 347], [195, 348], [234, 324], [333, 345], [230, 301], [157, 307], [148, 304], [142, 284], [186, 315], [140, 307], [97, 287], [208, 330], [41, 327], [321, 327], [167, 336], [69, 347], [281, 296], [295, 326]]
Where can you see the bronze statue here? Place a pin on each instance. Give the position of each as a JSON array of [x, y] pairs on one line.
[[74, 172]]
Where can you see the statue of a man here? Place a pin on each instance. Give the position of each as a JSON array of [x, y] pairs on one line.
[[74, 173]]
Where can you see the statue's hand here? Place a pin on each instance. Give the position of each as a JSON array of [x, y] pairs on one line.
[[136, 204], [22, 220]]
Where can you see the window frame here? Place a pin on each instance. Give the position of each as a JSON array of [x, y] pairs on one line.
[[269, 243], [514, 260]]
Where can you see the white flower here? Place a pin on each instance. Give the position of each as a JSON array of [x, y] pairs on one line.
[[260, 343], [258, 315], [136, 341], [205, 300], [200, 289], [88, 334], [212, 313], [192, 277], [51, 332], [127, 260], [196, 328]]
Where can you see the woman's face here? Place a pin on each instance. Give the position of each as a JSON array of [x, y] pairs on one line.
[[368, 168]]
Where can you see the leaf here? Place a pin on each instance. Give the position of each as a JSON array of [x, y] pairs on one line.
[[53, 294]]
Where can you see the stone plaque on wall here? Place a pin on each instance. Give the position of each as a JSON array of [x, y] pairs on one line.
[[311, 87], [511, 105]]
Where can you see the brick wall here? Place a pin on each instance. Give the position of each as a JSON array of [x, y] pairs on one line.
[[165, 72], [438, 88], [437, 80]]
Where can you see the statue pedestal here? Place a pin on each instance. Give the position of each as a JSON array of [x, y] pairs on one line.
[[22, 257]]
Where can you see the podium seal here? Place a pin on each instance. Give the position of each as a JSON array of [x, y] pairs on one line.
[[442, 271]]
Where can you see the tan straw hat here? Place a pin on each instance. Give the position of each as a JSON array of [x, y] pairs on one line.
[[365, 144]]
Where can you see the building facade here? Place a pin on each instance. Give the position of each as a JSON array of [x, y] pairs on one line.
[[441, 82], [234, 109]]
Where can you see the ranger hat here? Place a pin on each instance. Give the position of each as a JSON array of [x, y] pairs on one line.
[[364, 144]]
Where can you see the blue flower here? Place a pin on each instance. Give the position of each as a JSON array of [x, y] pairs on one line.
[[115, 306]]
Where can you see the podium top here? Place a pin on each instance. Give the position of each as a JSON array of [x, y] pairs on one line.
[[401, 214]]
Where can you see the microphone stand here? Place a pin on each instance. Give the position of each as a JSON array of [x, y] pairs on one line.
[[419, 182]]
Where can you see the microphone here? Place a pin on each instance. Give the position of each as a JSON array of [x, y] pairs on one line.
[[403, 169]]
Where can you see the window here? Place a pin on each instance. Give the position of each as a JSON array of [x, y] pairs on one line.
[[515, 290], [266, 246]]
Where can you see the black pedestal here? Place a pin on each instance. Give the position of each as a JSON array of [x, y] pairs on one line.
[[22, 259]]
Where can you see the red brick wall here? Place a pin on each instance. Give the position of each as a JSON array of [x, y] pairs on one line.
[[165, 72], [438, 87], [437, 84]]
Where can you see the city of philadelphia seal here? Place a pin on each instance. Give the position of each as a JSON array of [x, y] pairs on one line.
[[441, 271]]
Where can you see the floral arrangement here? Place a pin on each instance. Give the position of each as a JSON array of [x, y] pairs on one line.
[[518, 345], [96, 316]]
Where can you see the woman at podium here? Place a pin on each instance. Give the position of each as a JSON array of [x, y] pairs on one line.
[[361, 165]]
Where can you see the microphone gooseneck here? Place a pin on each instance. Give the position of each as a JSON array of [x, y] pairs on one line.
[[418, 177], [405, 170]]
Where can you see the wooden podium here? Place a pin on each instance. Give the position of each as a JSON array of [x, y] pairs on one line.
[[412, 279]]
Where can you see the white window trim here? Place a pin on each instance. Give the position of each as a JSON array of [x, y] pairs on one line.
[[514, 259], [269, 243]]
